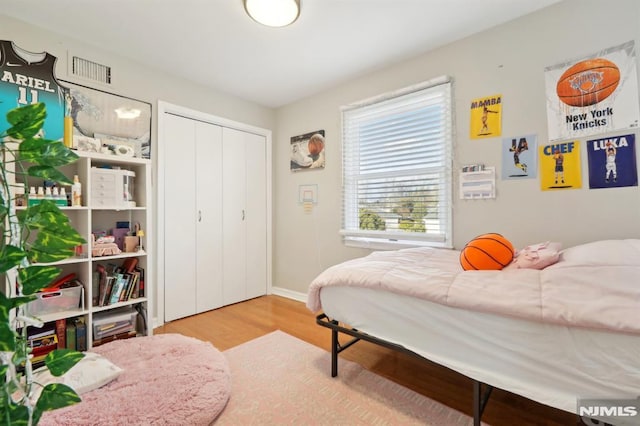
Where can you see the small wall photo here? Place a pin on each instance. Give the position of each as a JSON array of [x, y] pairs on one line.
[[307, 151]]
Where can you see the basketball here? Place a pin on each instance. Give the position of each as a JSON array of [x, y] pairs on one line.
[[316, 144], [588, 82], [486, 252]]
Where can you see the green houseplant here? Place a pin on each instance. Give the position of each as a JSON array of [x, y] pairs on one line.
[[32, 238]]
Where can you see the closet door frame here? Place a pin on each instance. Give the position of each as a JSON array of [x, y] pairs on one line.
[[168, 108]]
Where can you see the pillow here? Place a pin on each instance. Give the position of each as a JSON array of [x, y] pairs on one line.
[[537, 256], [91, 372]]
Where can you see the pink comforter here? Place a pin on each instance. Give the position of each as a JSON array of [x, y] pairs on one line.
[[594, 285]]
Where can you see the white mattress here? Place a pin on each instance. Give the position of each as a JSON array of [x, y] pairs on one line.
[[552, 364]]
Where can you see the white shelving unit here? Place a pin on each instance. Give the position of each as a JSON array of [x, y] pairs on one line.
[[88, 219]]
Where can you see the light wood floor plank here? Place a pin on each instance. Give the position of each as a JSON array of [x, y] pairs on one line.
[[235, 324]]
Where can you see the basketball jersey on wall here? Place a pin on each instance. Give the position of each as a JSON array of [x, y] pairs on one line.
[[27, 78]]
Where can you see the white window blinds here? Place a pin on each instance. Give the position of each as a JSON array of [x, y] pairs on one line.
[[397, 169]]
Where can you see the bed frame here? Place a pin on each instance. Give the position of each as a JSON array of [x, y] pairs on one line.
[[481, 391]]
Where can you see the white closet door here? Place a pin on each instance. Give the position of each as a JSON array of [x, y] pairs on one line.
[[209, 226], [256, 217], [180, 218], [233, 216]]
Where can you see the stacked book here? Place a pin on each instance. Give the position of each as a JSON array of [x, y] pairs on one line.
[[41, 343], [118, 283]]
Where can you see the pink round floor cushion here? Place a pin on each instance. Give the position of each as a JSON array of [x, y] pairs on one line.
[[168, 379]]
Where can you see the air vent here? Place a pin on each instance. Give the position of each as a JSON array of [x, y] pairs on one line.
[[90, 70]]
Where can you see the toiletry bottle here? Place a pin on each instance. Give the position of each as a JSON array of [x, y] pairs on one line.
[[76, 192], [31, 200], [63, 196]]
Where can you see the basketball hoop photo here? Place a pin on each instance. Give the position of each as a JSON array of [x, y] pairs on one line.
[[307, 151]]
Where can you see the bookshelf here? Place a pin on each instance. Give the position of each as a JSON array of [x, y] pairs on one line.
[[104, 211]]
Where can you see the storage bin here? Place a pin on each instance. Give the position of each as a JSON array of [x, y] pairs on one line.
[[110, 323], [64, 299]]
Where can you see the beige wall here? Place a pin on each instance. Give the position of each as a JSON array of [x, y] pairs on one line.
[[510, 60]]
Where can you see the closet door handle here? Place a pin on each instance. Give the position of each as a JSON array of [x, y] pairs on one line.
[[199, 215], [243, 214]]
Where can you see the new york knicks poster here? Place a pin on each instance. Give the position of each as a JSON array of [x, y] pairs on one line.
[[612, 162], [594, 94]]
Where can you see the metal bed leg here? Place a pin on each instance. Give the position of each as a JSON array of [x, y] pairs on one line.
[[334, 351], [479, 401]]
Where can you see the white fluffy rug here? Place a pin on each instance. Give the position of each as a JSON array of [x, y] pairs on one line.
[[169, 379]]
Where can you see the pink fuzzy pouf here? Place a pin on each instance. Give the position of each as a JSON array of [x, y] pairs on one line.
[[168, 379]]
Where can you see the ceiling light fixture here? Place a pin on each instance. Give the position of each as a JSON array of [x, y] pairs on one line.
[[273, 13]]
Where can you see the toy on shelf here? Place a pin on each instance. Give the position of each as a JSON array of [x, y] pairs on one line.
[[104, 246]]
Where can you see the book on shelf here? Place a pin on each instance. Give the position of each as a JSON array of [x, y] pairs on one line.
[[125, 288], [81, 334], [141, 282], [132, 292], [118, 286], [42, 344], [129, 264], [71, 335], [95, 287], [119, 283], [61, 332], [102, 285]]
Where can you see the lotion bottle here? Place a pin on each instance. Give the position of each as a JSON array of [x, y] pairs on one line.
[[76, 192]]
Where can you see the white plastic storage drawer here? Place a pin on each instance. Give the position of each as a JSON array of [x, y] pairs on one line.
[[111, 323]]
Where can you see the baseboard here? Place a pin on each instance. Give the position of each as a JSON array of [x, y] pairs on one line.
[[290, 294]]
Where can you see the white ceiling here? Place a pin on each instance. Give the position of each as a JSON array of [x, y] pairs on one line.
[[214, 43]]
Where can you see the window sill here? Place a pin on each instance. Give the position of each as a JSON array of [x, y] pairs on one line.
[[381, 244]]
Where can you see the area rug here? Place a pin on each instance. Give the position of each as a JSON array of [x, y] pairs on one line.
[[168, 379], [278, 379]]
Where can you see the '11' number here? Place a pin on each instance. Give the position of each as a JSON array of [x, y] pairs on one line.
[[22, 100]]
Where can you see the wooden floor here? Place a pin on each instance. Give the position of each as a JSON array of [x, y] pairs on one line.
[[233, 325]]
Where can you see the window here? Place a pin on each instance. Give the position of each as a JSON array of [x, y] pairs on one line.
[[397, 169]]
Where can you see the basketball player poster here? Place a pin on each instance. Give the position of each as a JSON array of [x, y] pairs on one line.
[[560, 166], [612, 162], [520, 157], [486, 117], [594, 94], [307, 151]]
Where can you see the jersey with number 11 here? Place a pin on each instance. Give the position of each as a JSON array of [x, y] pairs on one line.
[[24, 82]]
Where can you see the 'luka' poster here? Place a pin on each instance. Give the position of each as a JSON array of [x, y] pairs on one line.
[[612, 162], [560, 166], [594, 94]]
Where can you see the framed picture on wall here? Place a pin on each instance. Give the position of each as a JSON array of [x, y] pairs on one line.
[[307, 151], [109, 123]]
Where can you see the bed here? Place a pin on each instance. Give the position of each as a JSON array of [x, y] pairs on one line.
[[569, 331]]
